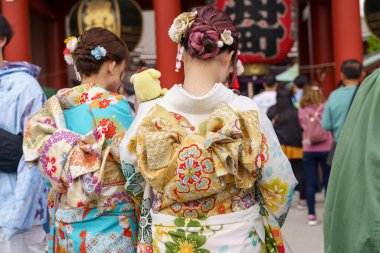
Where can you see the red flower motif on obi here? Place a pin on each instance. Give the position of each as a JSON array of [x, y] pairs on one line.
[[104, 103], [193, 204], [109, 128], [79, 204], [222, 209], [50, 165], [190, 171], [84, 97]]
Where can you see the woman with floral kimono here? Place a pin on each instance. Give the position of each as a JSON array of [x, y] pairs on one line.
[[75, 141], [204, 163]]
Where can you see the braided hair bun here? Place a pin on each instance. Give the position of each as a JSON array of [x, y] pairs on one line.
[[86, 63], [201, 40]]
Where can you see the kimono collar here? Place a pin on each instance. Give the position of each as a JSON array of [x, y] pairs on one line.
[[184, 102], [73, 97]]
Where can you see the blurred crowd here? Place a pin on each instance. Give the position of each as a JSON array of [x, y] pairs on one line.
[[308, 126]]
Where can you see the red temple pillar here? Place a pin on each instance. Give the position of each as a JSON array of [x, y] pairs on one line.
[[346, 32], [17, 13], [165, 12], [322, 45], [57, 77]]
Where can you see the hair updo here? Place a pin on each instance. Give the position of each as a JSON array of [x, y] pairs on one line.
[[116, 49], [201, 40]]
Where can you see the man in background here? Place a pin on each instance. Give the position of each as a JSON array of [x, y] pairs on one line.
[[339, 102], [23, 196], [297, 88], [267, 98]]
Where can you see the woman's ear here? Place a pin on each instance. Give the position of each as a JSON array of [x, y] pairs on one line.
[[227, 58], [111, 67], [231, 61], [231, 54]]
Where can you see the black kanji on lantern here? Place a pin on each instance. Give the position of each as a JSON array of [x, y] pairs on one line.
[[259, 40], [259, 25]]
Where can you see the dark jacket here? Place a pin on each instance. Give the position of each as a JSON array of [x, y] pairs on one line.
[[287, 127]]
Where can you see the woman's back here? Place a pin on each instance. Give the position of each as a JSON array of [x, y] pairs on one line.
[[286, 125], [186, 170], [95, 104], [75, 140], [304, 115], [198, 159]]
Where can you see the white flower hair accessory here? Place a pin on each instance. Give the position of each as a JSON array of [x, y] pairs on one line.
[[71, 45], [98, 52], [225, 38], [180, 26]]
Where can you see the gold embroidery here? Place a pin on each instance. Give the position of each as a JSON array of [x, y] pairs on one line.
[[190, 172]]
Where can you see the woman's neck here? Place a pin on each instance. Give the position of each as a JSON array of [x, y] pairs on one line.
[[95, 79], [199, 79]]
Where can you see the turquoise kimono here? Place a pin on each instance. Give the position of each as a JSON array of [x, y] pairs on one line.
[[75, 140]]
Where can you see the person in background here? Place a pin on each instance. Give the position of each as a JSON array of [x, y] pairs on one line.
[[267, 98], [75, 141], [126, 89], [23, 196], [339, 101], [316, 145], [284, 118], [351, 213], [297, 88]]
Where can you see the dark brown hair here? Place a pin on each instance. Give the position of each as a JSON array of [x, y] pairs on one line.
[[201, 39], [116, 49], [5, 29]]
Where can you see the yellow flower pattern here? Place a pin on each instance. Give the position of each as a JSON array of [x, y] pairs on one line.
[[275, 193]]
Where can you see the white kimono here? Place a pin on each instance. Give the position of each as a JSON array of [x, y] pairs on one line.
[[209, 174]]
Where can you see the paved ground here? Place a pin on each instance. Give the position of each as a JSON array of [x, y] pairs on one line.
[[298, 235]]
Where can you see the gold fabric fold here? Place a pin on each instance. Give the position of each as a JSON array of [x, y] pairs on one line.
[[185, 167], [78, 166]]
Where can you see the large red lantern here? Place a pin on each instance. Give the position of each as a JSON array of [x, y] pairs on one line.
[[267, 28]]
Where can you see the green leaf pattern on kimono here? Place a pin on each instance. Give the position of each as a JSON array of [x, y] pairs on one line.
[[186, 240]]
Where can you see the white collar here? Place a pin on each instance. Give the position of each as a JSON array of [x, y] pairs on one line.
[[183, 101]]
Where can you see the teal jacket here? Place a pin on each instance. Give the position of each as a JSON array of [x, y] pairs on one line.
[[336, 109]]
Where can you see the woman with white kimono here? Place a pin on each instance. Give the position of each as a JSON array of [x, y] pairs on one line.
[[205, 164]]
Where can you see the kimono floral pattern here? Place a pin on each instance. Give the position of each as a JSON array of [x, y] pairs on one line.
[[185, 240], [90, 209], [220, 170]]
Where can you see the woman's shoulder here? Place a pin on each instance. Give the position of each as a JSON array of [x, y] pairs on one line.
[[243, 103]]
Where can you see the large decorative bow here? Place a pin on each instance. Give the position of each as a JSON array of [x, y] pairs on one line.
[[185, 166], [63, 156]]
